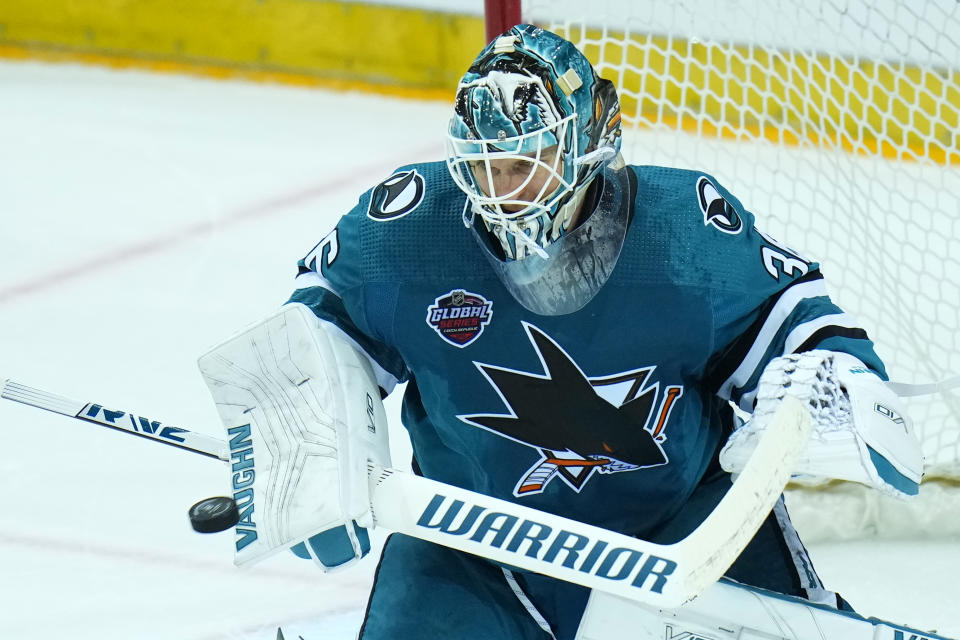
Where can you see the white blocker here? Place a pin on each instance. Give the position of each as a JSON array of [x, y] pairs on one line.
[[303, 416]]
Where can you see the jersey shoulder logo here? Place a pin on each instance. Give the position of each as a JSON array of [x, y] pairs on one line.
[[716, 210], [459, 316], [396, 196], [579, 425]]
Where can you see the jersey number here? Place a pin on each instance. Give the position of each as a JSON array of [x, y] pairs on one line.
[[781, 259], [777, 263], [329, 242]]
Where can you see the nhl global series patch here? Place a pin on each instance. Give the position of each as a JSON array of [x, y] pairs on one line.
[[460, 316]]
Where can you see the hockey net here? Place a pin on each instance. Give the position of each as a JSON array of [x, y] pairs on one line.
[[837, 122]]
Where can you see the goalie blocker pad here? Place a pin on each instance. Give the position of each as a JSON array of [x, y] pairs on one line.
[[732, 611], [303, 415]]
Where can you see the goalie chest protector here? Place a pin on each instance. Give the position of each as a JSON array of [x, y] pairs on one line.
[[608, 415]]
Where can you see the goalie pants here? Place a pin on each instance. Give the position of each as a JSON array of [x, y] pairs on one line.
[[425, 591]]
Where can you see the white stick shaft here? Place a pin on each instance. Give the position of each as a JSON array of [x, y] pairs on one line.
[[659, 575], [523, 537], [114, 419]]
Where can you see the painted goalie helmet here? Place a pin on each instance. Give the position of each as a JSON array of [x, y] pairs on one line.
[[533, 125]]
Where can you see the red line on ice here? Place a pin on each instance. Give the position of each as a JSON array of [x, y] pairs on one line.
[[162, 242], [65, 546]]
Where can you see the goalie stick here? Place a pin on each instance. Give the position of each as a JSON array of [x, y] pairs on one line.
[[663, 576]]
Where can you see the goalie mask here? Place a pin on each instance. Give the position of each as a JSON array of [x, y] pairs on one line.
[[533, 126]]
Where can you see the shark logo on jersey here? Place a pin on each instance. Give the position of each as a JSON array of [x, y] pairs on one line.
[[396, 196], [459, 316], [716, 210], [579, 425]]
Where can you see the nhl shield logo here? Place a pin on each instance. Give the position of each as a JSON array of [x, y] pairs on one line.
[[460, 316]]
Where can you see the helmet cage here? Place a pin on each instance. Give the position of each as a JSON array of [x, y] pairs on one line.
[[473, 163], [527, 91]]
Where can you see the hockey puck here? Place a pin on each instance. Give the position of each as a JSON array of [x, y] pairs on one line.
[[214, 514]]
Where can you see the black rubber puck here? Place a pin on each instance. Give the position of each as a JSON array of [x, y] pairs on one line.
[[214, 514]]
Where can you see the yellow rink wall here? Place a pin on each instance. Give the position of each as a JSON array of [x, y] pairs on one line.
[[891, 109], [792, 98], [344, 45]]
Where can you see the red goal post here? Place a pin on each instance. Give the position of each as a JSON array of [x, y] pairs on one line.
[[838, 125], [500, 15]]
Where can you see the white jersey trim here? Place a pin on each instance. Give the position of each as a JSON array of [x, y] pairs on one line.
[[809, 580], [798, 336], [386, 380], [775, 319], [527, 604], [313, 279], [802, 332]]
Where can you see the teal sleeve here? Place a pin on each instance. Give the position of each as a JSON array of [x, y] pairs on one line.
[[331, 284], [777, 306], [326, 305]]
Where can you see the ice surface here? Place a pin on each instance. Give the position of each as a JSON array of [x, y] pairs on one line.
[[144, 218]]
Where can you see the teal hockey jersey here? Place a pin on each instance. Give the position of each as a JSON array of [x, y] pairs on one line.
[[611, 414]]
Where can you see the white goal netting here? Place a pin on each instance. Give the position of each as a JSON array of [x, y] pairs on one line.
[[837, 122]]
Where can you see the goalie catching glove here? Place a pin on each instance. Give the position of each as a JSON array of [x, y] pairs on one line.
[[861, 431], [303, 415]]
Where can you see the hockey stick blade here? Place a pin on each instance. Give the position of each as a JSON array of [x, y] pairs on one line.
[[659, 575]]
